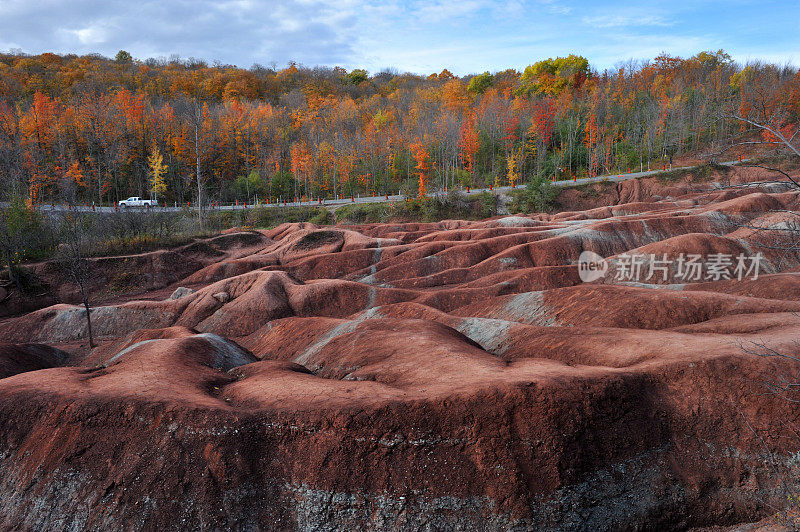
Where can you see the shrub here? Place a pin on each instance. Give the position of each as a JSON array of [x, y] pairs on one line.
[[488, 204], [323, 217], [538, 196], [358, 213]]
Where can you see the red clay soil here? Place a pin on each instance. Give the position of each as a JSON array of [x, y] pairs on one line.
[[443, 376], [144, 275]]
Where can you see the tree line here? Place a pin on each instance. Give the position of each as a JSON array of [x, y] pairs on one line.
[[90, 129]]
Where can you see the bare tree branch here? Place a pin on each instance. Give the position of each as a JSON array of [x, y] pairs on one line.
[[766, 127]]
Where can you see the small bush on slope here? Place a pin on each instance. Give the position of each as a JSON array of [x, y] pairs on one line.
[[537, 196]]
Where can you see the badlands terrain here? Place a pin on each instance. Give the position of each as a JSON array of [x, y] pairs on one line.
[[455, 375]]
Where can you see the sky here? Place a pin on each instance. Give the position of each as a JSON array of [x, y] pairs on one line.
[[464, 36]]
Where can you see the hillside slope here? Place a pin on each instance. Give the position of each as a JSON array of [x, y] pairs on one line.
[[450, 375]]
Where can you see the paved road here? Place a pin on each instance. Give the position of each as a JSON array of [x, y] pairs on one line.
[[370, 199]]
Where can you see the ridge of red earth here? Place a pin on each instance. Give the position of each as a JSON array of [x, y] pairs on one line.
[[449, 375]]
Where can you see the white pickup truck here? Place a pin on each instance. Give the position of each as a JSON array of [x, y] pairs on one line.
[[136, 202]]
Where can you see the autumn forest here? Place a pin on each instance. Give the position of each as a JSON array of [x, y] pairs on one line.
[[95, 129]]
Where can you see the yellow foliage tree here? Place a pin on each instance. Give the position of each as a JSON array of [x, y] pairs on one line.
[[513, 167], [157, 171]]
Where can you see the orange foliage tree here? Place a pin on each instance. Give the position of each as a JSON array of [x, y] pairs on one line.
[[216, 124], [469, 142], [423, 166]]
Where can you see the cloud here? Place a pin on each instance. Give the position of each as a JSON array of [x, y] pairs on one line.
[[628, 20], [233, 31], [90, 36], [447, 10], [415, 35], [555, 7]]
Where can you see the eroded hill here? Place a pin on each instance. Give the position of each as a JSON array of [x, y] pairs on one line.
[[452, 375]]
